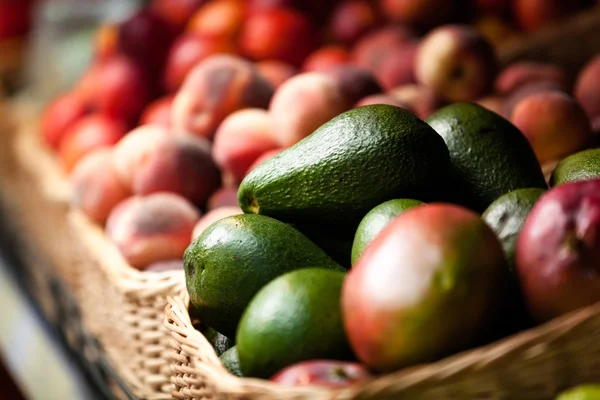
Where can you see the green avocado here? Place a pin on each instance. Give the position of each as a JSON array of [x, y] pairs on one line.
[[377, 219], [577, 167], [235, 257], [489, 155], [582, 392], [296, 317], [220, 343], [352, 163], [231, 361]]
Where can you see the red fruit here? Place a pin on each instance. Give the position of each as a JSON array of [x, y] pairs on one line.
[[147, 38], [351, 19], [264, 157], [398, 67], [279, 34], [423, 13], [116, 87], [355, 82], [106, 41], [219, 19], [89, 133], [372, 49], [532, 15], [276, 72], [558, 251], [524, 73], [587, 88], [492, 6], [176, 12], [59, 116], [189, 50], [325, 58], [158, 112], [223, 197], [15, 18], [96, 188], [332, 374], [427, 286]]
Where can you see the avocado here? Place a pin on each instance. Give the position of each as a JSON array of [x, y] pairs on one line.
[[235, 257], [220, 343], [589, 391], [296, 317], [577, 167], [506, 216], [489, 155], [231, 361], [346, 167], [377, 219]]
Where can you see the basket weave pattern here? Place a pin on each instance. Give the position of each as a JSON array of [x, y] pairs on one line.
[[122, 307], [533, 365]]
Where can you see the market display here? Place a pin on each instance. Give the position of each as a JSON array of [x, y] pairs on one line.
[[350, 189]]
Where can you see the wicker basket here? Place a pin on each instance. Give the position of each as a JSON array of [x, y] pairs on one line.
[[122, 307], [533, 365]]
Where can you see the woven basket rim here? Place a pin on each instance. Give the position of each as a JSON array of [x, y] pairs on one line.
[[528, 342]]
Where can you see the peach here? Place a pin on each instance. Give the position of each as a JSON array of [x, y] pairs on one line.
[[351, 19], [158, 112], [215, 88], [241, 138], [147, 37], [95, 187], [325, 58], [178, 164], [276, 72], [176, 12], [457, 63], [223, 197], [279, 34], [526, 90], [59, 116], [89, 133], [264, 157], [527, 72], [164, 266], [134, 148], [148, 229], [213, 216], [492, 103], [381, 98], [398, 67], [553, 122], [587, 88], [532, 15], [304, 103], [218, 19], [374, 47], [105, 84], [354, 81], [189, 50], [422, 13], [419, 99]]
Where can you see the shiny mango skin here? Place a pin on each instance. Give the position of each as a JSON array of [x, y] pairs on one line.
[[352, 163], [427, 286]]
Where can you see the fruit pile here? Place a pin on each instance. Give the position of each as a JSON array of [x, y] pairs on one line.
[[344, 201]]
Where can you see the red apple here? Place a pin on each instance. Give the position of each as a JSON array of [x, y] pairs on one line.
[[176, 12], [89, 133], [60, 115], [221, 19], [158, 112], [532, 15], [457, 63], [587, 88], [558, 250], [116, 87], [189, 50], [326, 57], [279, 34], [332, 374], [373, 48], [351, 19]]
